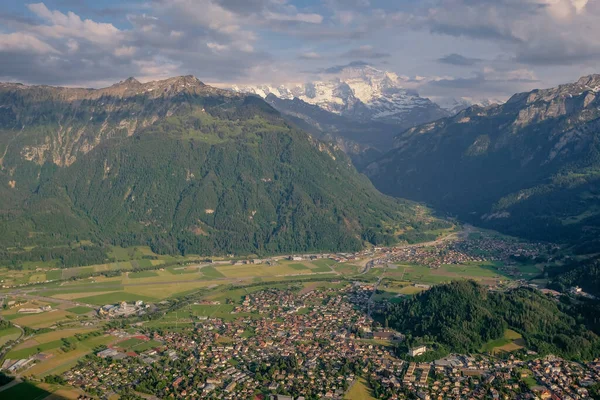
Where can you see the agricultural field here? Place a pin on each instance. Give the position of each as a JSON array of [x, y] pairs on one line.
[[79, 310], [51, 337], [115, 297], [142, 274], [483, 272], [43, 320], [8, 334], [360, 390]]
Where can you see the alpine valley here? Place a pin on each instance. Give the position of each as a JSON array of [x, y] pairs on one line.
[[529, 167], [360, 108], [183, 167]]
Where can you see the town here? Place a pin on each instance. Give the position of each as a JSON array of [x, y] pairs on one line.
[[310, 344]]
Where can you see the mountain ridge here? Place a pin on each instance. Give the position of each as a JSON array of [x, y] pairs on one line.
[[361, 93], [182, 167], [527, 167]]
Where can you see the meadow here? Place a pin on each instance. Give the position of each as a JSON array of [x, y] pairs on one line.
[[360, 390]]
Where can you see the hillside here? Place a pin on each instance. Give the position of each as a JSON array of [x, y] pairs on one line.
[[463, 316], [528, 167], [181, 166], [585, 274], [363, 142]]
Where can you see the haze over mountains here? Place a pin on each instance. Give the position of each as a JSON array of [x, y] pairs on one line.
[[181, 166]]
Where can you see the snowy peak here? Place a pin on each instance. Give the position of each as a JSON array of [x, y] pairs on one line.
[[359, 92], [455, 105]]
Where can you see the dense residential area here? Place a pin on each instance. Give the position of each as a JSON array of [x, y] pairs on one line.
[[312, 344]]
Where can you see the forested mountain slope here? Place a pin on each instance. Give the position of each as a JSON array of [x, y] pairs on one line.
[[181, 166], [463, 316], [529, 167]]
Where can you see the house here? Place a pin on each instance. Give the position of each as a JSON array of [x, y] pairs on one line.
[[417, 351]]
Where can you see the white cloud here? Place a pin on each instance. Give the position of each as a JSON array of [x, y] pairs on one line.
[[298, 17], [71, 25], [24, 42], [125, 51]]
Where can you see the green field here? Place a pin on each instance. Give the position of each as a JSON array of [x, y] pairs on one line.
[[142, 274], [211, 272], [79, 310], [115, 297], [511, 341], [24, 353], [7, 334], [298, 267]]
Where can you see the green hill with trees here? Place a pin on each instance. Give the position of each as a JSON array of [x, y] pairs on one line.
[[463, 316], [182, 167]]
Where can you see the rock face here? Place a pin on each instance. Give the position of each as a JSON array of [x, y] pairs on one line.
[[180, 166], [361, 93], [529, 166]]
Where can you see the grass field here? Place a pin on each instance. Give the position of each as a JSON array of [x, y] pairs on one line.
[[115, 297], [164, 291], [61, 361], [29, 351], [7, 334], [138, 345], [142, 274], [79, 310], [360, 390], [211, 273], [42, 320], [445, 273], [511, 341], [52, 336], [298, 267]]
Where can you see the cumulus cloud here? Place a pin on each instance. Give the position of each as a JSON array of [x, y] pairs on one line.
[[536, 31], [24, 43], [262, 41]]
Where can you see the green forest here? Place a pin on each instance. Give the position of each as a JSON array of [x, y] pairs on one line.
[[463, 316], [214, 173]]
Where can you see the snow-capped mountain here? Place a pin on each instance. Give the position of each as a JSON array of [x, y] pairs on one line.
[[455, 105], [362, 93]]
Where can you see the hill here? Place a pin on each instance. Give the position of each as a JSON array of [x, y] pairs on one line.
[[528, 167], [181, 166], [585, 274], [463, 316]]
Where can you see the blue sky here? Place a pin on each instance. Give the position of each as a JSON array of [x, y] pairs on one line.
[[442, 48]]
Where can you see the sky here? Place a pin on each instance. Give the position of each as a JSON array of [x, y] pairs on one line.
[[442, 48]]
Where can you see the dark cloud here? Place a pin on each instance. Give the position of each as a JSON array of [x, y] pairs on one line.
[[459, 60], [365, 52], [339, 68]]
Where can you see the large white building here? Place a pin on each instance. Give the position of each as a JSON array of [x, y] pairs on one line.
[[417, 351]]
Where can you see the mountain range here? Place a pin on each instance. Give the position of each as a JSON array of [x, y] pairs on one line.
[[361, 93], [360, 108], [529, 167], [183, 167]]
